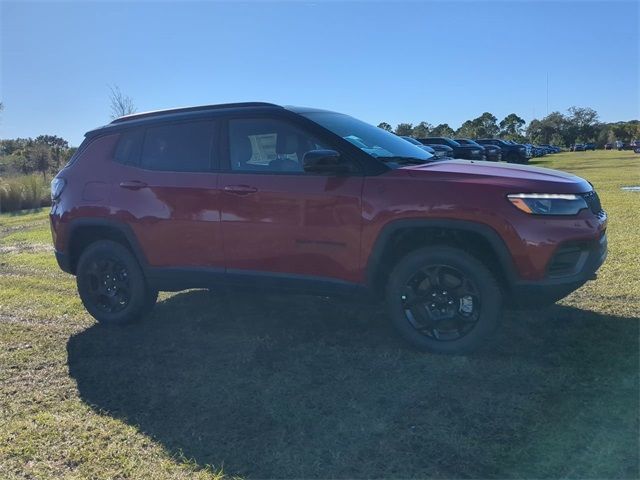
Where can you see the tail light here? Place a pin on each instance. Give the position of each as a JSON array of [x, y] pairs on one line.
[[57, 186]]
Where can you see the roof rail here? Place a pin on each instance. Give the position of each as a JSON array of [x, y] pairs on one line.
[[136, 116]]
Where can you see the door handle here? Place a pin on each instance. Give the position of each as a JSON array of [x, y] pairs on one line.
[[240, 189], [133, 185]]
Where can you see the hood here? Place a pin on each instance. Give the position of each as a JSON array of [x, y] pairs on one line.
[[524, 179]]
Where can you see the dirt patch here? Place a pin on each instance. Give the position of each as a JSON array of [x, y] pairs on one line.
[[26, 248]]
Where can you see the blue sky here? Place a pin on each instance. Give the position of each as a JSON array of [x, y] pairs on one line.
[[384, 61]]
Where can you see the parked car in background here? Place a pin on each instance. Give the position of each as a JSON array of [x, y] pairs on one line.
[[578, 147], [552, 148], [545, 149], [511, 152], [619, 144], [590, 146], [608, 146], [426, 148], [492, 153], [465, 152], [317, 202], [548, 149], [536, 150], [443, 152]]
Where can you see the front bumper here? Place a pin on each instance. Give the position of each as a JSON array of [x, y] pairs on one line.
[[556, 287]]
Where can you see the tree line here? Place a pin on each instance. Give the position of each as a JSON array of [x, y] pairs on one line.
[[46, 154], [578, 125]]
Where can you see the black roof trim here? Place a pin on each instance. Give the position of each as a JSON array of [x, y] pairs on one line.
[[302, 110], [200, 108]]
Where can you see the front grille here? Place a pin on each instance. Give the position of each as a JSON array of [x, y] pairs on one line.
[[593, 202]]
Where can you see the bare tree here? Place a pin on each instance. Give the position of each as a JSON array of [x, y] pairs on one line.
[[121, 104]]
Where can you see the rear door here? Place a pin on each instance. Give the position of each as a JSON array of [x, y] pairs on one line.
[[167, 189]]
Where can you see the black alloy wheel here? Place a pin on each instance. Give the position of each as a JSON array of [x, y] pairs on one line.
[[441, 302], [444, 300], [108, 284], [112, 285]]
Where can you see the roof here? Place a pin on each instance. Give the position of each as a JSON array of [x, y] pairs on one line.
[[199, 108], [302, 110], [139, 119]]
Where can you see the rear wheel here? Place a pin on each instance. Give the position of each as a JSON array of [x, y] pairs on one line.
[[111, 284], [443, 300]]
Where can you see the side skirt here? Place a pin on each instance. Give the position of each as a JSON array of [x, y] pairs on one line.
[[176, 279]]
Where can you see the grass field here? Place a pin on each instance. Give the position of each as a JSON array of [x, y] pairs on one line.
[[264, 386]]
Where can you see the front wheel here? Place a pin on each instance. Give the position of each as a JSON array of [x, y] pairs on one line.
[[443, 300], [111, 284]]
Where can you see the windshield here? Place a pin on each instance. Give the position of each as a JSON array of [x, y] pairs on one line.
[[372, 140]]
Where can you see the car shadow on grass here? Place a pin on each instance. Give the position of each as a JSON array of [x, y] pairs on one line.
[[272, 386]]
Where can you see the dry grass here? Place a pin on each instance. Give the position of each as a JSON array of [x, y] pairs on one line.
[[26, 191], [268, 386]]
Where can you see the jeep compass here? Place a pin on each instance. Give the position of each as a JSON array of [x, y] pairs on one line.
[[265, 197]]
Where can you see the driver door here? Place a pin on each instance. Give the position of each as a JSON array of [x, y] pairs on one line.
[[278, 220]]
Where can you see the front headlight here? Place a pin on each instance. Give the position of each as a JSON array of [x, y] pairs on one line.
[[475, 152], [548, 203]]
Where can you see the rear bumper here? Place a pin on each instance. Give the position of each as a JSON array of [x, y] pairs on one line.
[[63, 262], [552, 289]]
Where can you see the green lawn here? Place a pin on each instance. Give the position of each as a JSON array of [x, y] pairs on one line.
[[264, 386]]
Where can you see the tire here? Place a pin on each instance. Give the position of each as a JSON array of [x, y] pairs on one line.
[[410, 292], [513, 157], [111, 284]]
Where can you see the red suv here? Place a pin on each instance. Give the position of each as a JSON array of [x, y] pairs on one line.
[[260, 196]]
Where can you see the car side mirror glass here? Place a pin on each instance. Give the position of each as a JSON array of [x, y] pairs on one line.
[[324, 161]]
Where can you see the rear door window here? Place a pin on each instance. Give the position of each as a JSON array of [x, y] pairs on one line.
[[129, 147], [179, 147]]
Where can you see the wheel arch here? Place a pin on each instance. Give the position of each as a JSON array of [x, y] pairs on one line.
[[400, 237], [85, 231]]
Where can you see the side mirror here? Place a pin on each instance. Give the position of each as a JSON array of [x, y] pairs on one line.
[[323, 161]]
